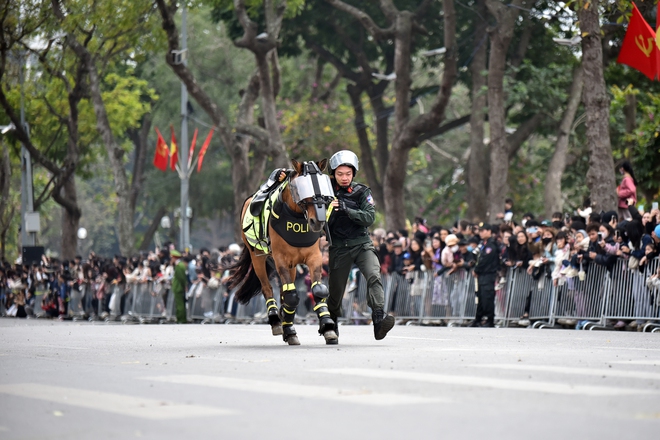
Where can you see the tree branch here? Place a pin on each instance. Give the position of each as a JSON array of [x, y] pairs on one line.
[[524, 131], [444, 128], [377, 32], [342, 68], [428, 121], [185, 75]]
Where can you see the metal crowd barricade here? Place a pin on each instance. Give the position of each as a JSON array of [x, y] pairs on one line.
[[630, 298], [406, 294], [252, 312], [205, 305], [449, 298], [583, 299], [528, 294], [76, 309], [354, 302], [115, 293], [146, 301], [39, 296]]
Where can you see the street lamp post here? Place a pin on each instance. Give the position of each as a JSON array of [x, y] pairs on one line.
[[30, 222], [183, 163]]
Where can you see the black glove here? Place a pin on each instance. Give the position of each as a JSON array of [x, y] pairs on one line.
[[342, 205]]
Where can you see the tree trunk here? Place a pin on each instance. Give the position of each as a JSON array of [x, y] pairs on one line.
[[382, 130], [151, 230], [395, 174], [552, 194], [116, 157], [242, 176], [367, 168], [500, 39], [70, 220], [601, 175], [269, 110], [477, 167], [140, 138], [6, 214]]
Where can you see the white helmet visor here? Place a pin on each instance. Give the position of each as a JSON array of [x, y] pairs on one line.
[[316, 186]]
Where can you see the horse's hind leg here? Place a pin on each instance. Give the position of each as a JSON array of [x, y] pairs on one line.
[[290, 300], [271, 304]]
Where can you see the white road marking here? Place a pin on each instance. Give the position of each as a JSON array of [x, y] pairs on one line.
[[62, 347], [579, 371], [655, 362], [485, 382], [419, 339], [122, 404], [361, 396], [628, 348]]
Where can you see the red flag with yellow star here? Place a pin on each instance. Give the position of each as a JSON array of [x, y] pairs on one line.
[[641, 48], [160, 158], [174, 151]]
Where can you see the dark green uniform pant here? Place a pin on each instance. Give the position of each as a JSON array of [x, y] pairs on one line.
[[180, 307], [341, 262]]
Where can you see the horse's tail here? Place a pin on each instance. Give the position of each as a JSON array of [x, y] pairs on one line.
[[243, 276]]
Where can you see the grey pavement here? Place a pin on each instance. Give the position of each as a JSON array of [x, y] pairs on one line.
[[79, 380]]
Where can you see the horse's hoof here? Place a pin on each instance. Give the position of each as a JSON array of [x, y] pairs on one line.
[[293, 340], [331, 337], [277, 330]]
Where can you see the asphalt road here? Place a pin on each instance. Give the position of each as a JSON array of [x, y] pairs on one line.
[[68, 380]]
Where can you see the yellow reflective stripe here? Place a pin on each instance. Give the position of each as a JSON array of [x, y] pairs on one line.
[[288, 311], [328, 212], [318, 306], [289, 286], [274, 214], [324, 314], [270, 300], [287, 323], [272, 306], [315, 283]]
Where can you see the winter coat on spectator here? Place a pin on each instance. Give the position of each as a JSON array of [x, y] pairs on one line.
[[518, 252], [397, 264], [447, 257], [627, 190], [561, 255], [602, 258]]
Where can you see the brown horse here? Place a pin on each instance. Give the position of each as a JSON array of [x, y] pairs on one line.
[[298, 217]]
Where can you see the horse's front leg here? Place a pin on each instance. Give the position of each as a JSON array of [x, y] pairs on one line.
[[327, 326], [290, 300], [271, 304]]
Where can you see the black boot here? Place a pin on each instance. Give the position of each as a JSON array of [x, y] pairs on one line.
[[382, 323], [335, 340]]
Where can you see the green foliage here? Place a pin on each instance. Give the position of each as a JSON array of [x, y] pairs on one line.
[[642, 145], [317, 129]]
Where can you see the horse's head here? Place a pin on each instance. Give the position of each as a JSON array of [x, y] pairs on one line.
[[312, 191]]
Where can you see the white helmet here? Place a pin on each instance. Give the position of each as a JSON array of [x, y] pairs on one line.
[[344, 157]]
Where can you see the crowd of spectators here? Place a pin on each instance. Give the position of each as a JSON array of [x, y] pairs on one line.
[[560, 248], [54, 280]]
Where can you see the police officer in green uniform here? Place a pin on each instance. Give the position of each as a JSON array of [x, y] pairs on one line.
[[352, 212], [179, 285], [485, 272]]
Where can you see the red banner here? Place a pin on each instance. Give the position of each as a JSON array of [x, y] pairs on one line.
[[160, 158], [640, 49]]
